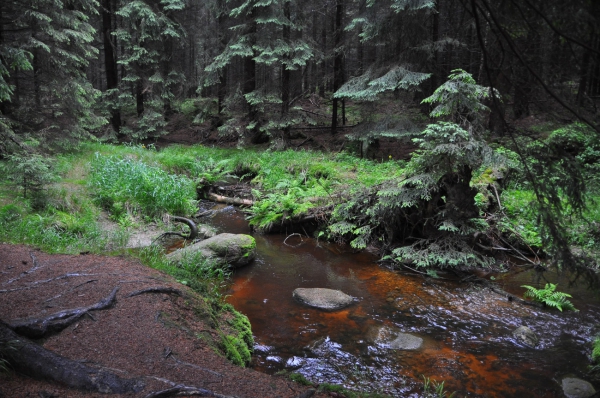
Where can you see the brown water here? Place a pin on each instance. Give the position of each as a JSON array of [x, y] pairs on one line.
[[466, 328]]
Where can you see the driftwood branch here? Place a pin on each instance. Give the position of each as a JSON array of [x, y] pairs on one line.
[[39, 327], [34, 360]]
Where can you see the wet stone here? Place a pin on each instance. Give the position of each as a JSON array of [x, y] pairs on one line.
[[327, 299], [526, 336], [391, 338], [577, 388]]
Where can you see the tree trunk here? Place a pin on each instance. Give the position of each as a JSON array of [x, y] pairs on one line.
[[139, 97], [110, 62], [338, 61], [222, 88]]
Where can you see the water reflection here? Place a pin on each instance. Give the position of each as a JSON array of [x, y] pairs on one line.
[[466, 330]]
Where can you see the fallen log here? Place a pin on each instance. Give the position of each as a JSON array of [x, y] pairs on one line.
[[34, 360], [232, 201]]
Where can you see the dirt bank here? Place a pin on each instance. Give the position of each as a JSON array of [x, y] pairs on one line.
[[161, 339]]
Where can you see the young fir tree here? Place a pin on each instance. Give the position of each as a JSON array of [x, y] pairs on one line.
[[431, 210], [149, 35]]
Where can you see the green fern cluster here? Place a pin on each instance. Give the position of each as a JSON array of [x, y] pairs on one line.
[[550, 297]]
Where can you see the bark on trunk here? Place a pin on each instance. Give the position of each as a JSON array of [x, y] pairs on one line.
[[338, 62], [110, 62]]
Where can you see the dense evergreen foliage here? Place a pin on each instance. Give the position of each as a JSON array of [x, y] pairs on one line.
[[256, 70]]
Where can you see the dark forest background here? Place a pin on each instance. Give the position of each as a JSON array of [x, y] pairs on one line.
[[254, 69]]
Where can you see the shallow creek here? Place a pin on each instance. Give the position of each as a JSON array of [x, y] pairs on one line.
[[466, 329]]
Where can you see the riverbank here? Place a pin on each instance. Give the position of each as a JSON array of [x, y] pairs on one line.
[[162, 336]]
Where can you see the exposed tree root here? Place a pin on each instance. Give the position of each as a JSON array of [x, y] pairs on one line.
[[159, 289], [35, 267], [193, 228], [184, 391], [39, 327], [32, 359]]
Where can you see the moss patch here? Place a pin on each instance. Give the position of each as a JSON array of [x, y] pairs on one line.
[[238, 343]]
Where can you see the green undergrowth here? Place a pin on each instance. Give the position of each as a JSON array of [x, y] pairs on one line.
[[235, 342], [61, 218], [285, 183], [125, 186]]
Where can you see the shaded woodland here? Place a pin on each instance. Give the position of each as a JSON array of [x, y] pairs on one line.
[[249, 67]]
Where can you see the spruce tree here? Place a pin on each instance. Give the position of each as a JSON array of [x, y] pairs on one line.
[[266, 40], [149, 36]]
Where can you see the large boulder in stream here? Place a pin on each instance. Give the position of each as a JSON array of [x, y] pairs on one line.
[[233, 250], [577, 388], [325, 299], [391, 338]]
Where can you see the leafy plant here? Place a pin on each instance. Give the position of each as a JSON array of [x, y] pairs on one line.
[[596, 349], [550, 297], [433, 389], [127, 185]]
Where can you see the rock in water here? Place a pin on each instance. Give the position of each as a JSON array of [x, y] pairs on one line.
[[234, 250], [577, 388], [392, 338], [526, 336], [326, 299]]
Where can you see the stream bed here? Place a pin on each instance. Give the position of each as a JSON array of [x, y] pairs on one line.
[[466, 328]]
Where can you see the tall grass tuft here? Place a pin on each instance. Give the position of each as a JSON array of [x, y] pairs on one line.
[[129, 186]]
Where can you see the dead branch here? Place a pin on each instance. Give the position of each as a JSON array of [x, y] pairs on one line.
[[232, 201], [159, 289], [180, 362], [39, 327], [70, 290], [34, 360], [35, 267], [289, 236]]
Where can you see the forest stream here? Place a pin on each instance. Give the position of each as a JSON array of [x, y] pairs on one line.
[[466, 328]]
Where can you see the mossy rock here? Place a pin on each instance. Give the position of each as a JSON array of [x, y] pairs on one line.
[[225, 250]]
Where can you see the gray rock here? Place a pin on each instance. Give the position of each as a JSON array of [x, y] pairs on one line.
[[233, 250], [206, 231], [577, 388], [392, 338], [526, 336], [327, 299]]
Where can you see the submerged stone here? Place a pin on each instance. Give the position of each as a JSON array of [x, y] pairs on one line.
[[327, 299], [577, 388], [391, 338], [526, 336]]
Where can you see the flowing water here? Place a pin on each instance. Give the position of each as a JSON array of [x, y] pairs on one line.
[[466, 328]]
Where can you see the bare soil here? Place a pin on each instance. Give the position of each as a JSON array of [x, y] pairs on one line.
[[163, 339]]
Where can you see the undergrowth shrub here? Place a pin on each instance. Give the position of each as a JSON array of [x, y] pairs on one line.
[[125, 186]]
